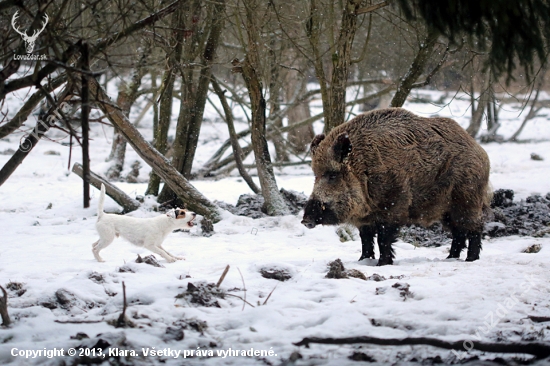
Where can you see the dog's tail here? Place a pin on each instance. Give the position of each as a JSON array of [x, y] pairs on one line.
[[100, 202]]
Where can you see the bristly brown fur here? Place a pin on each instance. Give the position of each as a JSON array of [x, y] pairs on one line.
[[390, 167]]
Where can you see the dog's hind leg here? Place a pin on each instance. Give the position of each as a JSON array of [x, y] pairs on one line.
[[102, 243]]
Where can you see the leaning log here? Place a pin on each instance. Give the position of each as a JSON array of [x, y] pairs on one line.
[[128, 203], [162, 167]]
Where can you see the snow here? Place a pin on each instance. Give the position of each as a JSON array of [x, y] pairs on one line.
[[50, 249]]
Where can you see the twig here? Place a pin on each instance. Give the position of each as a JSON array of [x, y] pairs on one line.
[[238, 297], [4, 308], [268, 296], [539, 350], [371, 8], [244, 286], [222, 277], [121, 321]]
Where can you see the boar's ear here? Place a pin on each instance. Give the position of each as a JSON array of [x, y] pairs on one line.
[[342, 147], [315, 143]]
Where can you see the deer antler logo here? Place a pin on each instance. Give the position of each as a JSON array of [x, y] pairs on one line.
[[29, 40]]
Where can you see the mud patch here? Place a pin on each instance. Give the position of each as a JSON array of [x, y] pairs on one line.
[[535, 248], [251, 205], [404, 290], [150, 260], [337, 270], [96, 277], [202, 294], [16, 288], [279, 274], [361, 356]]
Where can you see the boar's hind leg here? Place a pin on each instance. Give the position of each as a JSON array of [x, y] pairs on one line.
[[474, 245], [387, 235], [459, 242], [367, 241]]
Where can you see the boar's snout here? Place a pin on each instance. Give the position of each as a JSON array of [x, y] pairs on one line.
[[310, 224], [312, 214]]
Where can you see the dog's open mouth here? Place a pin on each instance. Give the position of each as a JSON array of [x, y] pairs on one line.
[[191, 223]]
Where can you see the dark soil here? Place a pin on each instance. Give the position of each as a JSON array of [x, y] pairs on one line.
[[529, 217], [202, 294], [279, 274], [17, 288], [150, 260], [336, 269], [251, 205]]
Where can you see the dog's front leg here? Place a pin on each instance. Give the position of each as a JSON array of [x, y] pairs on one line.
[[163, 253], [176, 257]]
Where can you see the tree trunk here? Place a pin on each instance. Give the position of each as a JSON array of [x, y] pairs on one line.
[[25, 147], [416, 69], [533, 110], [160, 135], [341, 60], [313, 31], [193, 103], [237, 151], [274, 102], [189, 194], [85, 117], [477, 114], [127, 95], [27, 108], [300, 137], [274, 203]]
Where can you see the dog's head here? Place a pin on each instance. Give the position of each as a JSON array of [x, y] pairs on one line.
[[182, 216]]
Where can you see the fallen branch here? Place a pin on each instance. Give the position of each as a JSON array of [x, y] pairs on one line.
[[539, 319], [539, 350], [4, 308], [75, 321], [128, 204]]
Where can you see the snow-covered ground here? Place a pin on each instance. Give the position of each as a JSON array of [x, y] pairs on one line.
[[46, 237]]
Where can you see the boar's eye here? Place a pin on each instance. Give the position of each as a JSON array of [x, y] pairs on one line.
[[332, 176]]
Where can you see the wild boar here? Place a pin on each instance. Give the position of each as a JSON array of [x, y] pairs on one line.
[[388, 168]]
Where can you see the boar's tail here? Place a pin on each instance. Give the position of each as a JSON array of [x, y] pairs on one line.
[[487, 211]]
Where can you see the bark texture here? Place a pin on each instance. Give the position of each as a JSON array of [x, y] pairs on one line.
[[162, 167]]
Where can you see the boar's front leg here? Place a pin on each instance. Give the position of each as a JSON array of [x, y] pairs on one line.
[[367, 233], [387, 235], [459, 242], [474, 246]]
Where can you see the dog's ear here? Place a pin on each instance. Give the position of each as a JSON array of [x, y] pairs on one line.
[[180, 214], [171, 214]]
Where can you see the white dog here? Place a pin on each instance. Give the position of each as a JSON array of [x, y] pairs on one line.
[[144, 232]]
